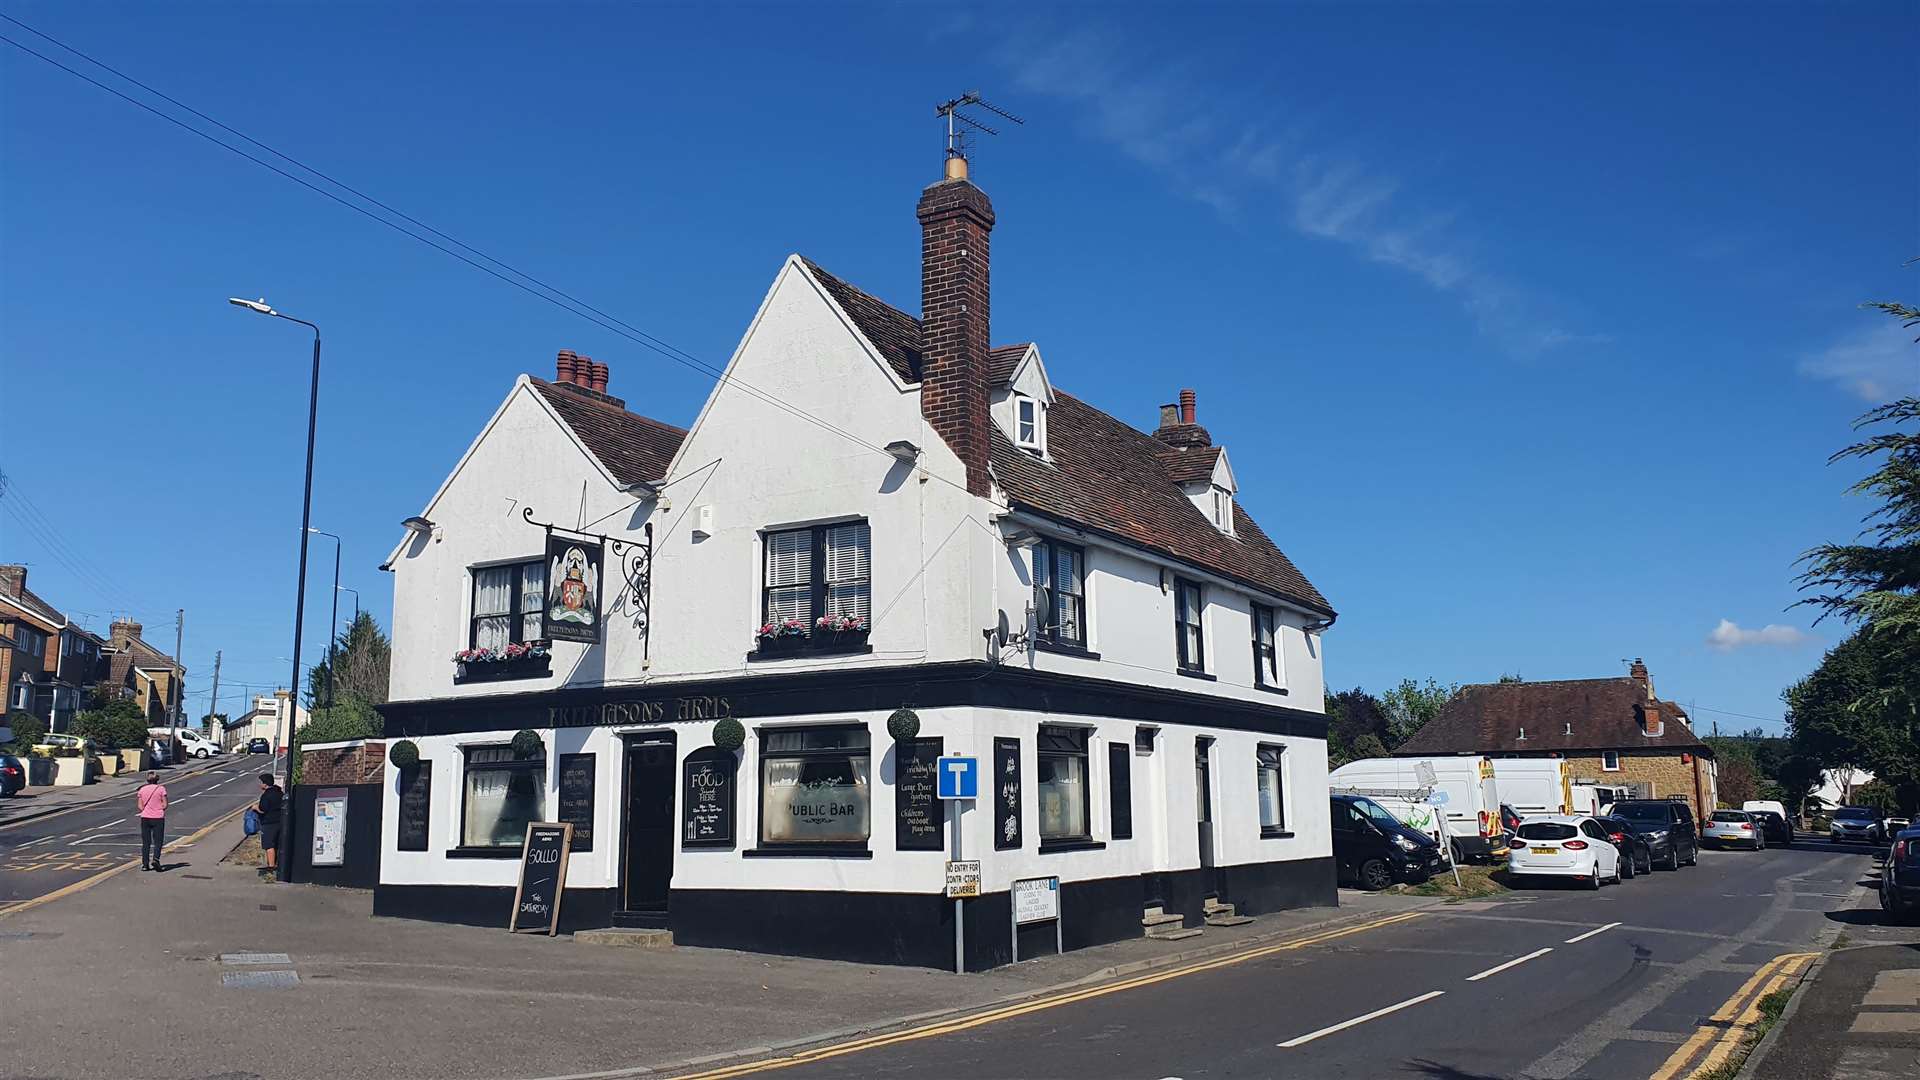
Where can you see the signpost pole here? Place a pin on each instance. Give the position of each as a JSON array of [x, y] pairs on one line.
[[956, 808]]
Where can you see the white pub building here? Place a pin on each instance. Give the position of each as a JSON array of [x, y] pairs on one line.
[[730, 654]]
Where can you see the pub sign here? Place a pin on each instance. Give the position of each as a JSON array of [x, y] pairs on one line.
[[572, 611]]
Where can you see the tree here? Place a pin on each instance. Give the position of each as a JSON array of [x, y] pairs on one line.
[[1738, 781], [1350, 715], [120, 725], [1368, 746], [361, 659], [1512, 677], [347, 720], [1409, 706]]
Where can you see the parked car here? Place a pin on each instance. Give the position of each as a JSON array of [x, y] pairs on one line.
[[1770, 805], [1636, 854], [1857, 823], [1667, 825], [56, 741], [13, 774], [1374, 849], [1891, 827], [1900, 880], [1572, 846], [1734, 828], [192, 743], [1469, 811], [259, 746], [1777, 828]]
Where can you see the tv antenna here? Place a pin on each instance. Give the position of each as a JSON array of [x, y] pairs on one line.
[[961, 127]]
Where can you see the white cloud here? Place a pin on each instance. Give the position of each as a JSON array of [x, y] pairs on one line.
[[1206, 148], [1876, 364], [1730, 635]]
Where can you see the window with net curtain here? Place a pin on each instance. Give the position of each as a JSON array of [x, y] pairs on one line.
[[1272, 785], [502, 794], [815, 785], [1062, 785], [825, 570], [506, 603]]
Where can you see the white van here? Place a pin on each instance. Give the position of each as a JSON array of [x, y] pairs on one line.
[[1469, 800], [192, 743], [1536, 786]]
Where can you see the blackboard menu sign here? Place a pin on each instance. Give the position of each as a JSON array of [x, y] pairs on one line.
[[1006, 793], [918, 813], [708, 798], [576, 798], [543, 877], [416, 806]]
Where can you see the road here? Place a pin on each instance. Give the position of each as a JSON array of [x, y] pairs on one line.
[[1555, 983], [42, 855]]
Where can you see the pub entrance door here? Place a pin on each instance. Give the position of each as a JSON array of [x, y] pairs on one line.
[[646, 835]]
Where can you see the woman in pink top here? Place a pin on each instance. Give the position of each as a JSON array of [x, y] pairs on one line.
[[152, 798]]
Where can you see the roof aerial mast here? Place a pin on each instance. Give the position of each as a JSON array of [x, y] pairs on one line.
[[961, 129]]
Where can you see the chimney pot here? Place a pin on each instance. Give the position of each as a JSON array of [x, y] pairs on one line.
[[1187, 403], [563, 366], [599, 382]]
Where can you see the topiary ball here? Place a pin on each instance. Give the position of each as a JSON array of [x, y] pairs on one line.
[[729, 734], [404, 754], [526, 743], [904, 724]]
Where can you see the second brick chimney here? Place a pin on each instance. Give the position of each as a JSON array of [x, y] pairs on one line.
[[13, 579], [955, 220], [583, 374], [1179, 424]]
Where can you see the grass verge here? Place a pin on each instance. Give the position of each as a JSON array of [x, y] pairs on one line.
[[1771, 1007]]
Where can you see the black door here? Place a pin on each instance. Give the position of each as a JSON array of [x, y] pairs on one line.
[[1203, 797], [649, 826]]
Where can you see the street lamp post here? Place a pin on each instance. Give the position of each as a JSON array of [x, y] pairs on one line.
[[333, 620], [300, 592]]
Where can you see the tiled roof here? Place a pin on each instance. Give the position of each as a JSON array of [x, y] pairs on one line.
[[1111, 478], [1605, 714], [632, 447], [1001, 361], [37, 607], [1189, 466], [892, 331]]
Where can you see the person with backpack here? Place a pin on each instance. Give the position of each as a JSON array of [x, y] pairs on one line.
[[152, 800], [268, 808]]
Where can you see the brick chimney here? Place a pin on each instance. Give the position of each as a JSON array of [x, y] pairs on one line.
[[1179, 426], [123, 631], [1638, 673], [955, 221], [13, 579], [582, 375]]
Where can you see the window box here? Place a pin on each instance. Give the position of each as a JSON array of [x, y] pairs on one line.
[[513, 661], [819, 643]]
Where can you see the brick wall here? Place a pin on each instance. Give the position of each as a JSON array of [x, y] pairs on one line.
[[1662, 771], [955, 220], [365, 763]]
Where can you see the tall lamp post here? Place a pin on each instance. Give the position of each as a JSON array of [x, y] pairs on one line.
[[333, 620], [306, 521]]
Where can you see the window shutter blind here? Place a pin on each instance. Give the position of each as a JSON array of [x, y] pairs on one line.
[[849, 570], [789, 560]]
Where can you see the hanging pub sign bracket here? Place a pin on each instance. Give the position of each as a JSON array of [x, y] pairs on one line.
[[574, 560]]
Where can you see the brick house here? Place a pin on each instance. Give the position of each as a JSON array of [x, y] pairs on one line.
[[138, 670], [1615, 732], [51, 662]]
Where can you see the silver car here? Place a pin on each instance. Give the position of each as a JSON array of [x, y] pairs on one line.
[[1854, 823], [1734, 828]]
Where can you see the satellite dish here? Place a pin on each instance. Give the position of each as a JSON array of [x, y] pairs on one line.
[[1000, 630]]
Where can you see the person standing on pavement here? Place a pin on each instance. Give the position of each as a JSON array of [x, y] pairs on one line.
[[271, 798], [152, 798]]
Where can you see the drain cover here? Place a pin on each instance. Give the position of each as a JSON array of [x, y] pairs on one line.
[[254, 958], [269, 907], [259, 980]]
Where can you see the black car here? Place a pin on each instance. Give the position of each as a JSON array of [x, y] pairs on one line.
[[1900, 881], [1775, 828], [1636, 851], [13, 774], [1374, 849], [259, 746], [1666, 825]]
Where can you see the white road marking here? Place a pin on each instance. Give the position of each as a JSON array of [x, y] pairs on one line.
[[42, 840], [1590, 933], [1345, 1024], [1516, 961]]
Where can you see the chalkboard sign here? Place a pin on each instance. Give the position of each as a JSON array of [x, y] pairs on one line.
[[416, 805], [708, 799], [576, 798], [918, 813], [1120, 788], [543, 877], [1006, 794]]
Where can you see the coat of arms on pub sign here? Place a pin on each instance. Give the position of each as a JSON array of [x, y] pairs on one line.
[[573, 590]]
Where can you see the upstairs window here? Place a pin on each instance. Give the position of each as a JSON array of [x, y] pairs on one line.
[[1059, 593], [815, 573], [1266, 648], [1028, 424], [1189, 602], [1222, 510], [506, 604]]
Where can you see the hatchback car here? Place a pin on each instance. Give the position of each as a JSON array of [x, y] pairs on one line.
[[1667, 825], [1734, 828], [1565, 846], [1636, 855], [13, 774], [259, 746], [1900, 881], [1775, 827], [1857, 823]]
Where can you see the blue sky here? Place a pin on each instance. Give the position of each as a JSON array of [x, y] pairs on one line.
[[1529, 335]]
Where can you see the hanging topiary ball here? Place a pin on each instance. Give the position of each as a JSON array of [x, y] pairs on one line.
[[526, 743], [404, 754], [904, 724], [729, 734]]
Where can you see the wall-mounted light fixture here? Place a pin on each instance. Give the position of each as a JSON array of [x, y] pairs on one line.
[[904, 451], [1317, 625], [1026, 538], [418, 524], [644, 489]]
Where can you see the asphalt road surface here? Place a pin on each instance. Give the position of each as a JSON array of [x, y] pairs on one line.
[[1560, 983], [41, 855]]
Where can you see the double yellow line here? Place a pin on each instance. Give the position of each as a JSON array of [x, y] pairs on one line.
[[994, 1016], [90, 882], [1725, 1031]]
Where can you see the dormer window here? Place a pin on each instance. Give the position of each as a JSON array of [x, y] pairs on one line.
[[1222, 510], [1029, 432]]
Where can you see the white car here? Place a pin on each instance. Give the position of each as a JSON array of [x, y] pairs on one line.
[[1571, 846], [192, 743]]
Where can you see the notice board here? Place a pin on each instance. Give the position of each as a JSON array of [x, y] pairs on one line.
[[918, 813], [543, 877], [416, 806], [330, 826], [576, 798], [708, 798]]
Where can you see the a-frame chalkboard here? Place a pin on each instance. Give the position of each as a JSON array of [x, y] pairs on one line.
[[543, 877]]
